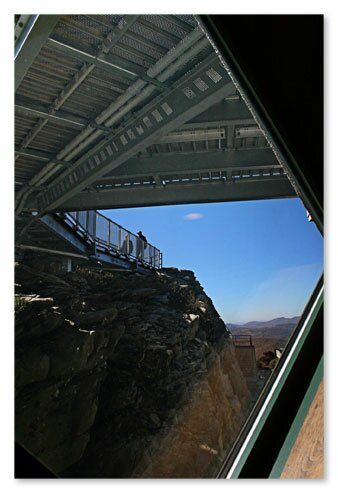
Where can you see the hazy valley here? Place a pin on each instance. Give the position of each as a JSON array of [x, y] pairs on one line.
[[267, 335]]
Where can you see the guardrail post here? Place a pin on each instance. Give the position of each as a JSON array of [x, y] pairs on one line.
[[119, 238], [86, 221], [87, 224], [94, 233]]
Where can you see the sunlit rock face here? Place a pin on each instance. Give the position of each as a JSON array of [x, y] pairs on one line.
[[121, 374]]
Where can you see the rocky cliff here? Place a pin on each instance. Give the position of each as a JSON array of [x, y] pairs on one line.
[[120, 374]]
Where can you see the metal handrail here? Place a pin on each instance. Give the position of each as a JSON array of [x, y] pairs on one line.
[[104, 233], [242, 340]]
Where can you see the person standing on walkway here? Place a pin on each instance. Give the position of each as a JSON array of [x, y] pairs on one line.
[[141, 245], [127, 246]]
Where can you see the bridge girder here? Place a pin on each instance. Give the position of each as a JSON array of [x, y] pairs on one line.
[[269, 187], [200, 89], [28, 49], [134, 155], [194, 162], [223, 114]]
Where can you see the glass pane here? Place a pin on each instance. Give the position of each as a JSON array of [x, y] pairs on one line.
[[126, 367], [258, 263]]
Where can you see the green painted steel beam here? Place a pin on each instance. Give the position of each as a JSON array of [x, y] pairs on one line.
[[222, 114], [143, 196], [60, 229], [194, 162], [105, 62], [35, 40], [60, 118], [41, 156], [232, 111]]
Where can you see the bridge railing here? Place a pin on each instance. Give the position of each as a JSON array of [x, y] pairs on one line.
[[242, 339], [110, 236]]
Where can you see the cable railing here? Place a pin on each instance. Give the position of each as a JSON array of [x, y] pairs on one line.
[[107, 235]]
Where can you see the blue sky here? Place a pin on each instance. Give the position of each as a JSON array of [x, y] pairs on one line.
[[257, 260]]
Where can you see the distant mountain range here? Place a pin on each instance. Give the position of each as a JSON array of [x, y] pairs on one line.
[[275, 322], [268, 335]]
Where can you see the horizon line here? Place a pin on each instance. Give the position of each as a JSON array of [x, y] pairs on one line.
[[259, 321]]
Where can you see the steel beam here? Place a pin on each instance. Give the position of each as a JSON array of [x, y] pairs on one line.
[[194, 162], [232, 111], [200, 89], [229, 191], [41, 156], [220, 115], [112, 38], [32, 45], [99, 256], [62, 118], [23, 27], [65, 233], [52, 251], [231, 136], [88, 58], [64, 94], [104, 62], [158, 181], [110, 259], [118, 31], [200, 135], [157, 29]]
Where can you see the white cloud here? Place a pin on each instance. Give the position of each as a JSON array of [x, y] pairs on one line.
[[193, 216]]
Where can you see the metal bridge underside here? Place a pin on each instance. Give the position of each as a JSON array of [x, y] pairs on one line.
[[123, 111]]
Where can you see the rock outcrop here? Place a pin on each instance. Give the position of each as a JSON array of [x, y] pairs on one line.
[[120, 374]]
